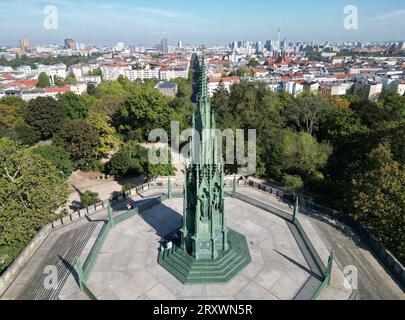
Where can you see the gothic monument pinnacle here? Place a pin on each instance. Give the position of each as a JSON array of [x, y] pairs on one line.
[[208, 251]]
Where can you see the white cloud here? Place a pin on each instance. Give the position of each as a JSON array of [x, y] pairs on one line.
[[388, 17], [155, 11]]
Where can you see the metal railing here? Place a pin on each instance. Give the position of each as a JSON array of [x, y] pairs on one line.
[[85, 271]]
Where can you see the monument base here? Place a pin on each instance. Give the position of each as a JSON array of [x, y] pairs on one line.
[[191, 271]]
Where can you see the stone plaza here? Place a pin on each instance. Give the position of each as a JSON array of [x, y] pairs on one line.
[[127, 267]]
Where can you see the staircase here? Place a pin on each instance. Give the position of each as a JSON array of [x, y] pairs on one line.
[[191, 271]]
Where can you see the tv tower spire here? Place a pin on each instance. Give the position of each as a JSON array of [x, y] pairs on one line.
[[279, 35]]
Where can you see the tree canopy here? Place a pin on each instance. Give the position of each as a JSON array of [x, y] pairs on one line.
[[76, 107], [80, 140], [31, 192], [43, 80], [57, 156], [45, 115]]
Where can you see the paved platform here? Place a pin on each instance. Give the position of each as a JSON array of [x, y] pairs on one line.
[[127, 265]]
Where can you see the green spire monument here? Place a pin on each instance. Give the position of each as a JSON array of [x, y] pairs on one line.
[[208, 251], [204, 232]]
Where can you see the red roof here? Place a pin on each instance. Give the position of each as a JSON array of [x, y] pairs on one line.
[[228, 79], [221, 62], [7, 76], [116, 65], [345, 76], [25, 84], [57, 90]]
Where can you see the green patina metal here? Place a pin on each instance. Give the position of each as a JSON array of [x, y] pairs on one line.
[[208, 251], [234, 187], [169, 188], [327, 279], [80, 274], [204, 236], [295, 212], [110, 216]]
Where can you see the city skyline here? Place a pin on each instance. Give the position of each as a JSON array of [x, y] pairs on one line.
[[138, 22]]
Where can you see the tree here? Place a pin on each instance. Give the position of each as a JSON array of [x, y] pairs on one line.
[[142, 112], [253, 63], [160, 169], [378, 198], [45, 116], [27, 135], [80, 140], [75, 106], [10, 117], [70, 79], [31, 192], [108, 105], [43, 80], [58, 156], [252, 105], [127, 187], [91, 89], [108, 137], [293, 184], [340, 102], [393, 102], [89, 198], [302, 154], [243, 72], [59, 82], [131, 159], [220, 97], [371, 114], [307, 111], [112, 88], [14, 101], [95, 73]]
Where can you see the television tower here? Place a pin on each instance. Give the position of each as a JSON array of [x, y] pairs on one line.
[[279, 36]]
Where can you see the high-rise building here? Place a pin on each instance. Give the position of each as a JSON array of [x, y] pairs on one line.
[[70, 44], [259, 47], [120, 46], [278, 37], [164, 44], [180, 44], [25, 44], [284, 44]]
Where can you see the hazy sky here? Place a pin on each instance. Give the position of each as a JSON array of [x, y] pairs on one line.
[[198, 21]]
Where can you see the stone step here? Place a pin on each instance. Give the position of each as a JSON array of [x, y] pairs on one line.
[[203, 263], [174, 271], [199, 266], [176, 259], [216, 278], [186, 269], [218, 272], [229, 258], [175, 265], [195, 275]]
